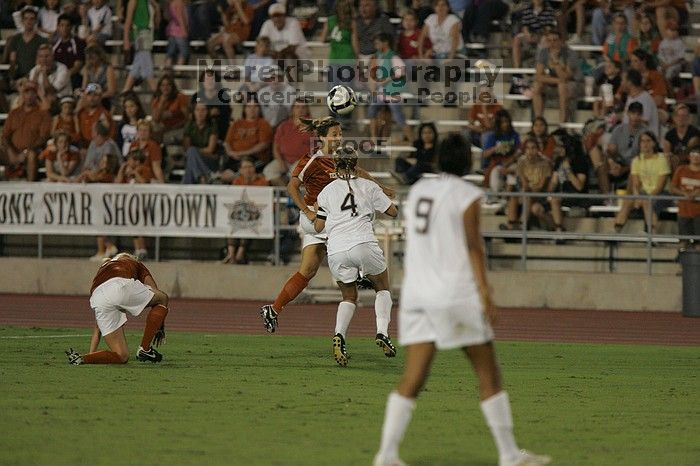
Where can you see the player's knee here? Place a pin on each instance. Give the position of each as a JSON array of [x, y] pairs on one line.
[[123, 357]]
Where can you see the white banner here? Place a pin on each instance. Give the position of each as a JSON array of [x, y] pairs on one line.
[[136, 210]]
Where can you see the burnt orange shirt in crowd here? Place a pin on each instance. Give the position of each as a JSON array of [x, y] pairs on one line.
[[687, 180], [243, 134], [27, 129], [236, 24], [483, 112], [153, 155], [87, 119], [259, 180], [315, 172], [655, 84], [175, 106], [123, 267], [70, 127]]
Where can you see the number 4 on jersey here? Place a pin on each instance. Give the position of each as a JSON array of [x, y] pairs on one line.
[[349, 204]]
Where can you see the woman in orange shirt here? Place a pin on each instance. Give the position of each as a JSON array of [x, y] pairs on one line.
[[67, 121], [61, 159], [236, 29], [545, 141], [250, 136], [237, 248], [170, 110]]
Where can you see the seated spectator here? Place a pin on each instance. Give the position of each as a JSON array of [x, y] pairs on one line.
[[67, 120], [100, 71], [648, 175], [237, 248], [62, 161], [613, 164], [139, 27], [410, 168], [285, 34], [671, 54], [535, 20], [249, 136], [26, 130], [209, 93], [478, 17], [648, 36], [99, 19], [386, 63], [91, 112], [69, 50], [47, 19], [619, 44], [101, 146], [276, 98], [499, 151], [132, 114], [696, 78], [170, 111], [236, 28], [481, 121], [635, 93], [667, 11], [52, 78], [148, 153], [369, 22], [569, 175], [199, 142], [679, 138], [557, 68], [612, 75], [600, 21], [291, 143], [408, 46], [21, 48], [686, 182], [443, 30], [652, 81], [534, 171], [177, 31], [546, 143], [578, 7], [105, 172], [260, 59], [423, 9]]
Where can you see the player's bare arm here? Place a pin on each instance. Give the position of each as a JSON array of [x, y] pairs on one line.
[[392, 211], [475, 246], [95, 339], [294, 191]]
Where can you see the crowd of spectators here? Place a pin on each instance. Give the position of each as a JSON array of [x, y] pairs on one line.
[[68, 84]]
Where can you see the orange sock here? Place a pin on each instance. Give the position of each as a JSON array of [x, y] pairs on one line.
[[290, 290], [102, 357], [156, 317]]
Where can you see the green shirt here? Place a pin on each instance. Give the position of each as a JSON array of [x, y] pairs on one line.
[[341, 41], [199, 137], [26, 53], [386, 62]]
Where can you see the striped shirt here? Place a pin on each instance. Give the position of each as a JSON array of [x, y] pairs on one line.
[[536, 22]]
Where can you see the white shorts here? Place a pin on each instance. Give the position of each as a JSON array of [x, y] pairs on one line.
[[346, 265], [309, 235], [449, 327], [112, 299]]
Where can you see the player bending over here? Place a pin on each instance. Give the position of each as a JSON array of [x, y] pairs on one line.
[[446, 303], [122, 285], [345, 210]]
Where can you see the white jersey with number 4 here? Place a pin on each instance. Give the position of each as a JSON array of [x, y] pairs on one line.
[[349, 215], [437, 269]]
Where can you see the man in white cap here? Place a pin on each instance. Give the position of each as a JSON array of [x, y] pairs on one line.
[[285, 34]]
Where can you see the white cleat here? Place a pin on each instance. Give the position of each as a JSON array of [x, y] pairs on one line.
[[528, 458], [381, 462]]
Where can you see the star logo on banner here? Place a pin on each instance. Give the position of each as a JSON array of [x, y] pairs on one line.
[[244, 214]]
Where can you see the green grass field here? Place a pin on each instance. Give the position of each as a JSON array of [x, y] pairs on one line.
[[270, 400]]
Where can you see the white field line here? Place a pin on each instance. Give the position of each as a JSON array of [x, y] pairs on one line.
[[22, 337]]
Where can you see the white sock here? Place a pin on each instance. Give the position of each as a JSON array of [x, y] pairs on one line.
[[500, 420], [382, 310], [342, 319], [399, 410]]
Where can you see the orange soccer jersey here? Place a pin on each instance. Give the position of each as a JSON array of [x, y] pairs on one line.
[[123, 267], [315, 171]]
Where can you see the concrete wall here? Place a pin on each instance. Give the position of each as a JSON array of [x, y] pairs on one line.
[[568, 290]]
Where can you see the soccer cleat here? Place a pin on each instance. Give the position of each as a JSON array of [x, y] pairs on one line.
[[385, 344], [269, 317], [364, 283], [528, 458], [74, 357], [339, 353], [378, 461], [151, 355]]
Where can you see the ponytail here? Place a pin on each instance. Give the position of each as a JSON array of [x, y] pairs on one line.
[[319, 126]]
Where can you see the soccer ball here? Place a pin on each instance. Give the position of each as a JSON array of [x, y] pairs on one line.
[[341, 100]]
